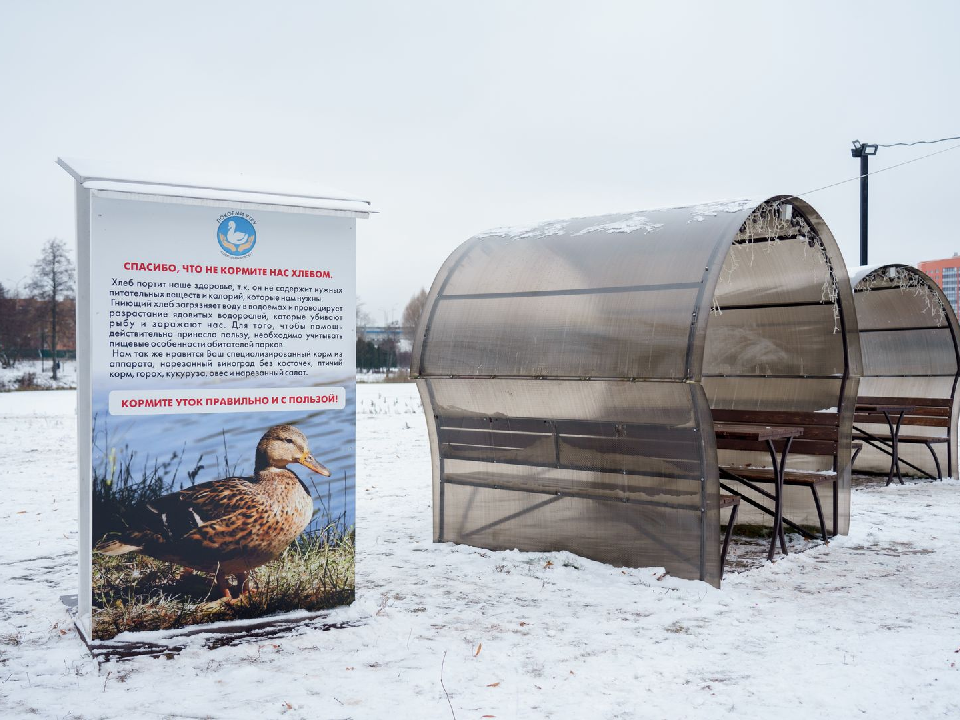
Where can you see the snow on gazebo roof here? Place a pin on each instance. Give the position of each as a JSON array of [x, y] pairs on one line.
[[858, 273]]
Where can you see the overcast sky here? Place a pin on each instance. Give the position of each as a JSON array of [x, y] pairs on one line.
[[454, 118]]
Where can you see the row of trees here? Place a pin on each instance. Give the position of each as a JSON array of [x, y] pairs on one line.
[[40, 320], [379, 356], [387, 351]]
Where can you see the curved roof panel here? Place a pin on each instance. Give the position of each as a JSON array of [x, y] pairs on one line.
[[624, 296]]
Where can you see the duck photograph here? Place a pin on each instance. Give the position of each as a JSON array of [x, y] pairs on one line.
[[261, 538]]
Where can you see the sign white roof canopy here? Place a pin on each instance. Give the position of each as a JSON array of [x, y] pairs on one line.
[[202, 185]]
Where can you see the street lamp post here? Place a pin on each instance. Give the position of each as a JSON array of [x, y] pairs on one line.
[[863, 151]]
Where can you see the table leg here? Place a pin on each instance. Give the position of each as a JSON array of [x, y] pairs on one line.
[[895, 442], [893, 453], [896, 447], [783, 467], [778, 467]]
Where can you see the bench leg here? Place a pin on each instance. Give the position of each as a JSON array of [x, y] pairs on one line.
[[763, 508], [882, 445], [726, 537], [936, 460], [816, 500], [836, 506]]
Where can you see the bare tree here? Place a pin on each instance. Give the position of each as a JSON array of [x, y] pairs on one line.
[[6, 321], [364, 319], [17, 321], [412, 312], [53, 277]]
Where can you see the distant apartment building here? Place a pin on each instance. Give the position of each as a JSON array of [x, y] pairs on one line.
[[946, 273]]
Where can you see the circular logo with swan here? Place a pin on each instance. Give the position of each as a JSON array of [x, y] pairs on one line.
[[236, 235]]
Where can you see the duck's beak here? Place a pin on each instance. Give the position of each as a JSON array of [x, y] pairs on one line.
[[308, 461]]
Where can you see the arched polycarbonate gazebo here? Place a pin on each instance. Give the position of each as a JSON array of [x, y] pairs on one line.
[[909, 336], [569, 372]]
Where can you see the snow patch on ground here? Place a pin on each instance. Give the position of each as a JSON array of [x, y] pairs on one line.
[[370, 376], [866, 626], [10, 378], [386, 400]]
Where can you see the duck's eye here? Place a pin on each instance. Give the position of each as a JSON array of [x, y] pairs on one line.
[[289, 440]]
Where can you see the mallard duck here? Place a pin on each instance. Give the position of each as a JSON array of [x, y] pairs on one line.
[[228, 526]]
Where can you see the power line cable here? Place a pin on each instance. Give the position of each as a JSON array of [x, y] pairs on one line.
[[877, 172], [920, 142]]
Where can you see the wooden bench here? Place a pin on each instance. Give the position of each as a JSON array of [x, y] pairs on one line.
[[919, 412], [616, 450], [820, 437]]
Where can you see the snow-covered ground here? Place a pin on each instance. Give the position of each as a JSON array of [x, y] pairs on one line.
[[868, 626], [369, 376], [10, 378]]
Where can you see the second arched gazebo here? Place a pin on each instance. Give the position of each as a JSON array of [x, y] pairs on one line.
[[570, 372], [911, 357]]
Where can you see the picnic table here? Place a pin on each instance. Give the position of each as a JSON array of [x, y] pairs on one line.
[[740, 436], [887, 410]]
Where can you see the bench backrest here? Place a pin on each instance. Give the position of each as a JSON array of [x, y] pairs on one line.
[[620, 448], [820, 429], [927, 412]]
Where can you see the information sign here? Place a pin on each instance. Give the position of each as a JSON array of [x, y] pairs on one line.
[[216, 410]]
